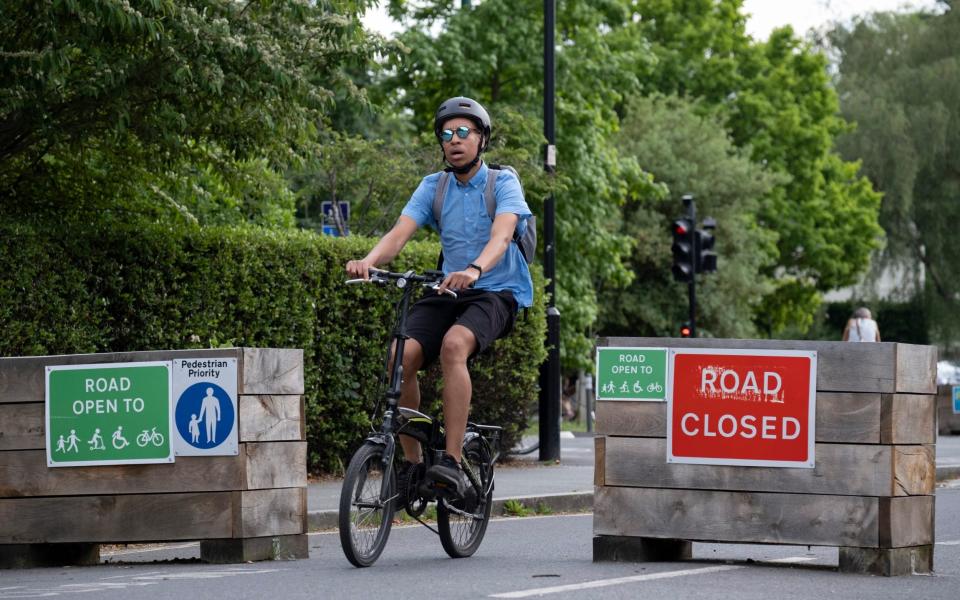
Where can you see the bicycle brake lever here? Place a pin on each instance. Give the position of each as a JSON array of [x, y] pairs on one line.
[[436, 287]]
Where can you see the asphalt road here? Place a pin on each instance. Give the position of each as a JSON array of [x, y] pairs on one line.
[[525, 557]]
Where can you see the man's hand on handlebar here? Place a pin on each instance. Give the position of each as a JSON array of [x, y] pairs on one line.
[[459, 280], [360, 269]]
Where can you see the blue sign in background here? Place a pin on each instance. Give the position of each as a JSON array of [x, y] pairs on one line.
[[190, 407], [956, 399]]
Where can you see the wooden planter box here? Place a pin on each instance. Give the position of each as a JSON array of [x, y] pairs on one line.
[[949, 423], [871, 493], [246, 507]]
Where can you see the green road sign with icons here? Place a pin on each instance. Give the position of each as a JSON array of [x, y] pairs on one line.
[[632, 374], [108, 414]]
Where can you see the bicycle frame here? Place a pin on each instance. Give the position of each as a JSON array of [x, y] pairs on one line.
[[419, 426]]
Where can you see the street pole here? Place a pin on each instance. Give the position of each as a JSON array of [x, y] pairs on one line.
[[691, 207], [549, 401]]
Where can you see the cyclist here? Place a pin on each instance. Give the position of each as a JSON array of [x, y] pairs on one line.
[[480, 263]]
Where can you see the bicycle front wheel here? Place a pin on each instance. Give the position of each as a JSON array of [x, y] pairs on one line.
[[462, 527], [365, 514]]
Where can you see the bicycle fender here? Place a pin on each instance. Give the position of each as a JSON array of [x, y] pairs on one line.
[[380, 439]]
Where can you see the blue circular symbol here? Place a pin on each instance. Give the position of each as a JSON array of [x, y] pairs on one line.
[[204, 415]]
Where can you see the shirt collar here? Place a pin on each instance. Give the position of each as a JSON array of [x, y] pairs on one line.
[[479, 178]]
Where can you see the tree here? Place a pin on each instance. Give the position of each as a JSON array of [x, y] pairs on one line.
[[690, 153], [899, 80], [112, 105], [776, 101]]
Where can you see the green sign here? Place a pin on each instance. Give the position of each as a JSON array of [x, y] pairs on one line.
[[632, 374], [108, 414]]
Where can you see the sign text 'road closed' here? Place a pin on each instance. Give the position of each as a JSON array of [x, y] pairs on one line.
[[742, 407]]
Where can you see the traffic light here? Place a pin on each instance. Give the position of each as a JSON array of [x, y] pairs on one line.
[[685, 330], [683, 250], [706, 257]]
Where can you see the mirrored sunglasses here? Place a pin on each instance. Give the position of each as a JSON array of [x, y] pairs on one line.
[[462, 132]]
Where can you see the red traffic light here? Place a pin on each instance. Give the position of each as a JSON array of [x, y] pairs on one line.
[[685, 330], [681, 227]]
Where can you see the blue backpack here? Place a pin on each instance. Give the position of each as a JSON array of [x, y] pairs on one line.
[[526, 242]]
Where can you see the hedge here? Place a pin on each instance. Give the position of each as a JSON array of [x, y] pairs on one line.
[[118, 288]]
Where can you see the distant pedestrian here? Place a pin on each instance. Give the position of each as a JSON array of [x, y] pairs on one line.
[[861, 327]]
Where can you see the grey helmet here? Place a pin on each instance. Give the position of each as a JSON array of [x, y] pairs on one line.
[[463, 107]]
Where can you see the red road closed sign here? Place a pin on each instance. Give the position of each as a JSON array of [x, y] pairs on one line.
[[742, 407]]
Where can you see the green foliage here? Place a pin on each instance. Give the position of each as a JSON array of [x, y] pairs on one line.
[[156, 107], [113, 287], [776, 102], [515, 508], [376, 177], [899, 78], [688, 153], [904, 322]]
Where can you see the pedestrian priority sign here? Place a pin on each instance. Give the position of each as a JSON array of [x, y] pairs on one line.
[[631, 373], [109, 414], [205, 406]]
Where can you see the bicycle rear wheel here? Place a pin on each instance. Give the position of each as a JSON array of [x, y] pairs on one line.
[[365, 516], [461, 534]]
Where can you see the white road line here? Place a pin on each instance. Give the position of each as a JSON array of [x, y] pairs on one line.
[[949, 543], [635, 578], [587, 585]]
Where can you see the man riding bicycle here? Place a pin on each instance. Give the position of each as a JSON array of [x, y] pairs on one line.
[[480, 263]]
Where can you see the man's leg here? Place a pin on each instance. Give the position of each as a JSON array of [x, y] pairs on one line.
[[410, 392], [458, 344]]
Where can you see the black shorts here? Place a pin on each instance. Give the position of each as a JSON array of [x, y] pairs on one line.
[[489, 315]]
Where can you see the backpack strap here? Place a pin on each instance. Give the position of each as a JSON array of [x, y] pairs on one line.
[[490, 195], [490, 192], [438, 197]]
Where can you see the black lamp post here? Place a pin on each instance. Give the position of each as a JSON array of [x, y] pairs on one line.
[[550, 370]]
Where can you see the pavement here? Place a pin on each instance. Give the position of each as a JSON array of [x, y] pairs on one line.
[[566, 486]]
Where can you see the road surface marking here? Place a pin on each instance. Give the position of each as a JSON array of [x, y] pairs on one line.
[[635, 578], [587, 585]]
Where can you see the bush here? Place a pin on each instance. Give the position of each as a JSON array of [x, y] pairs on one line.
[[117, 288]]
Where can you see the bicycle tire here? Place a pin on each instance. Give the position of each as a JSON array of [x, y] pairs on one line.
[[158, 440], [364, 529], [460, 535], [142, 440]]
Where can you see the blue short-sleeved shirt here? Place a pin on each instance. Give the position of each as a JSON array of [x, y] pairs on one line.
[[466, 228]]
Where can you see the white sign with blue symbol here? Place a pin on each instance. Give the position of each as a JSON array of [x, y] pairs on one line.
[[205, 406]]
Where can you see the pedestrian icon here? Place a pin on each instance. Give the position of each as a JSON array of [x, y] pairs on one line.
[[194, 428], [210, 408], [73, 439], [205, 415]]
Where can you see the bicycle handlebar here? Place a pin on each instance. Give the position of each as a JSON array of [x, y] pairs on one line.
[[430, 279]]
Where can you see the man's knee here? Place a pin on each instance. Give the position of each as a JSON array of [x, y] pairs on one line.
[[458, 344], [412, 356]]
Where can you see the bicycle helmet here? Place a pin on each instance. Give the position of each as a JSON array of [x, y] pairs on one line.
[[463, 107], [467, 108]]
